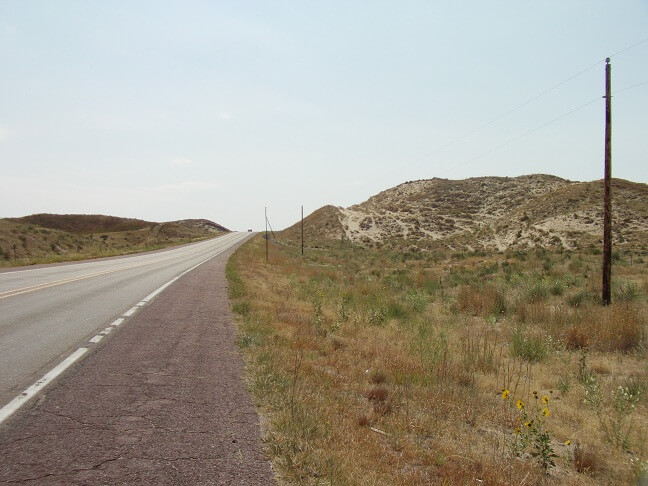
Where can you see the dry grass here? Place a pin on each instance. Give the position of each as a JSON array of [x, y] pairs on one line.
[[369, 368]]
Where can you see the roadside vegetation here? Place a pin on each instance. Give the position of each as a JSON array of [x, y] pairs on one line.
[[375, 367]]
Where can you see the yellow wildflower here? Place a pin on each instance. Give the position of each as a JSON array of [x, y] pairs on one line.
[[527, 424], [546, 412], [517, 431], [567, 442], [505, 394], [545, 399], [519, 404]]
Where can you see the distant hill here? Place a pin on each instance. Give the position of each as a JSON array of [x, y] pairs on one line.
[[62, 237], [486, 213], [83, 223]]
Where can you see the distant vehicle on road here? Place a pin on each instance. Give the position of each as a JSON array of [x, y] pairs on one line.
[[250, 230]]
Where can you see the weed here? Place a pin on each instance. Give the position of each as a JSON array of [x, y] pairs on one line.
[[343, 309], [528, 347], [531, 432], [593, 393], [537, 292], [318, 315], [479, 353], [583, 371], [563, 385], [636, 387], [416, 300], [626, 292], [618, 424], [579, 298]]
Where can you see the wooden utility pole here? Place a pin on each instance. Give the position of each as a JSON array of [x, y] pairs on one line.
[[606, 294], [265, 210], [302, 229]]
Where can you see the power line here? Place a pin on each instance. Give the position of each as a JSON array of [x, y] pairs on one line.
[[529, 132], [630, 87], [525, 103], [630, 47], [521, 105]]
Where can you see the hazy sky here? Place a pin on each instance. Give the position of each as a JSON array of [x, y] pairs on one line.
[[164, 110]]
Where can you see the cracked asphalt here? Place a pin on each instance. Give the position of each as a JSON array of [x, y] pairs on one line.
[[161, 401]]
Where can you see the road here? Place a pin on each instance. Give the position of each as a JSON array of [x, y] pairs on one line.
[[47, 313]]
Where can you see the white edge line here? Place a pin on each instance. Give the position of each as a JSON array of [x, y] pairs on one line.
[[30, 392], [130, 311]]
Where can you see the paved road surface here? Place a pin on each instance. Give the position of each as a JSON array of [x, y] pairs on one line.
[[47, 313], [160, 400]]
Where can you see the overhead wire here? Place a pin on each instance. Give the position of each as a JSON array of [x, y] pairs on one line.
[[630, 47], [529, 132], [512, 110], [529, 101], [630, 87]]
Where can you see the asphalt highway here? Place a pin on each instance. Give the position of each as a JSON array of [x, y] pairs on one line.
[[46, 313]]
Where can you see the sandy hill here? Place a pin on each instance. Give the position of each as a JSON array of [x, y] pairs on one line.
[[59, 237], [486, 213]]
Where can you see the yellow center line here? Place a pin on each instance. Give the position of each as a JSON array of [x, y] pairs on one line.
[[24, 290]]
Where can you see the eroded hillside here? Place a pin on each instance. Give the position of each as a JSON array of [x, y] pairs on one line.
[[489, 213]]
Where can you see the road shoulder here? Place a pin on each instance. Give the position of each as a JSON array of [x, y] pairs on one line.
[[163, 401]]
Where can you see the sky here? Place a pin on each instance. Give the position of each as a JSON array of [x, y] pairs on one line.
[[165, 110]]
